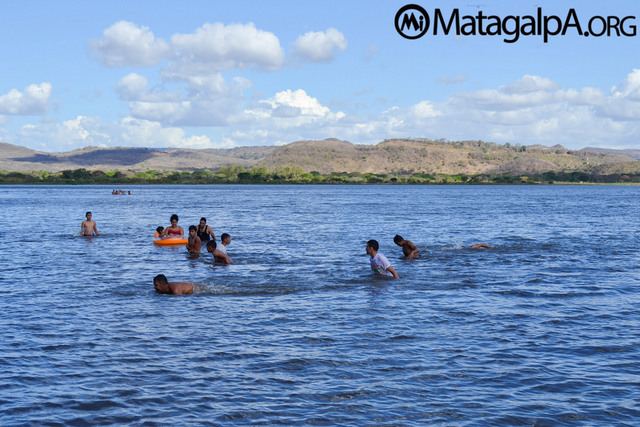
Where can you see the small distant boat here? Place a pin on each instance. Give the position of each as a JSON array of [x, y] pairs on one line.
[[121, 192]]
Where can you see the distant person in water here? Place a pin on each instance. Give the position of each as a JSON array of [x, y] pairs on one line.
[[379, 263], [174, 230], [408, 248], [480, 246], [162, 286], [205, 233], [218, 255], [89, 227], [193, 244]]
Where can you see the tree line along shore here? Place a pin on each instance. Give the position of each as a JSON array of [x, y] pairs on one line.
[[237, 174]]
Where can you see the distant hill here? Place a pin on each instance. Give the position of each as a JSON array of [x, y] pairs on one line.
[[630, 152], [332, 155], [14, 158], [444, 157]]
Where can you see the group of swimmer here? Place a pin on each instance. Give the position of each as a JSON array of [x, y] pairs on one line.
[[203, 233], [121, 192], [198, 234], [380, 264]]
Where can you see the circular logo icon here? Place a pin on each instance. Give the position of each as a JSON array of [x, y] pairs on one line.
[[412, 21]]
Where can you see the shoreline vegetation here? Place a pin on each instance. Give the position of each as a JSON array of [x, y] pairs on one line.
[[330, 161], [237, 174]]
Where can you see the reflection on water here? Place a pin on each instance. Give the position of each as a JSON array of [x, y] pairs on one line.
[[541, 329]]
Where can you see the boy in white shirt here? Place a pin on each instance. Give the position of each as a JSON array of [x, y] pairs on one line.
[[225, 239], [379, 263]]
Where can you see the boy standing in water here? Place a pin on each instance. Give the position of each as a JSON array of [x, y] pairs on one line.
[[408, 248], [89, 227], [194, 244], [225, 239], [379, 263]]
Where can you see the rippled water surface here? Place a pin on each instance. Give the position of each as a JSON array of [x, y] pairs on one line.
[[543, 329]]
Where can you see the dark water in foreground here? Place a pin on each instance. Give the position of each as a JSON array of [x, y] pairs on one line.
[[544, 329]]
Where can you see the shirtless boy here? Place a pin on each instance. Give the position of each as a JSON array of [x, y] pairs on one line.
[[88, 227], [218, 255], [175, 288], [194, 244], [408, 248]]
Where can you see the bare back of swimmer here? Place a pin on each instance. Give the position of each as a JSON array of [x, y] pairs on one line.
[[162, 286]]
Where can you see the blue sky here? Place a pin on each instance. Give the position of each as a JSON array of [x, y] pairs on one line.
[[219, 74]]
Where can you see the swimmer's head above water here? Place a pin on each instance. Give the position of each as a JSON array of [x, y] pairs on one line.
[[161, 284]]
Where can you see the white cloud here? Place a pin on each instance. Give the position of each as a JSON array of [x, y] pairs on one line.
[[629, 88], [165, 112], [425, 109], [131, 86], [143, 133], [33, 101], [319, 46], [530, 84], [299, 99], [209, 101], [91, 131], [125, 44], [74, 133], [287, 116], [527, 92], [196, 62], [215, 48], [292, 108], [586, 96], [531, 110]]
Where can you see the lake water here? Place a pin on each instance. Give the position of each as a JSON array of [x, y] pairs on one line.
[[543, 329]]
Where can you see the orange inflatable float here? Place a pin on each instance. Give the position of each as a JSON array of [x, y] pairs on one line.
[[171, 241]]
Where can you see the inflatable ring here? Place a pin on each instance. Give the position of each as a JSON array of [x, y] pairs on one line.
[[170, 242]]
